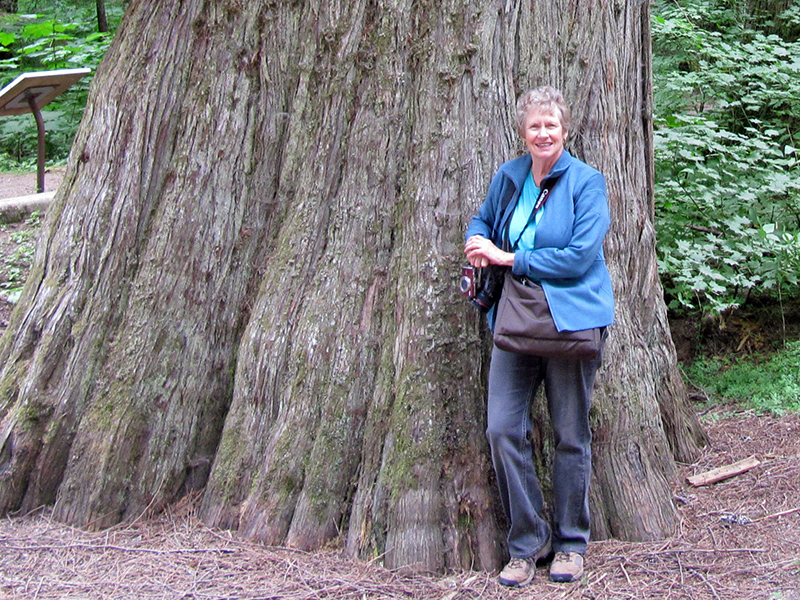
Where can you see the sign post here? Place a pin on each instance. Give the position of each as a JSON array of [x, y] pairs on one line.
[[30, 92]]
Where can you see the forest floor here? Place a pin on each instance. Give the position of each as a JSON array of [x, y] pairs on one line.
[[13, 184], [738, 539]]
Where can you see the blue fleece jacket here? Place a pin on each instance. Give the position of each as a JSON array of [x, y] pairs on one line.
[[568, 250]]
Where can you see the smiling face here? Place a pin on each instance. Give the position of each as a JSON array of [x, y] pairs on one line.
[[544, 136]]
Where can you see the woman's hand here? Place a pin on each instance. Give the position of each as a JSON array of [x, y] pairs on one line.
[[482, 252]]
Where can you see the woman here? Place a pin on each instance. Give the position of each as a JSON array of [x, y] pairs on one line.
[[562, 248]]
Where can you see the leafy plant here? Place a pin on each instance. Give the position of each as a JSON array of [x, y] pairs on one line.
[[62, 36], [18, 255], [727, 98], [766, 383]]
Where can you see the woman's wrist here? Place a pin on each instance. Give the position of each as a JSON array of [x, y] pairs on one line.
[[507, 259]]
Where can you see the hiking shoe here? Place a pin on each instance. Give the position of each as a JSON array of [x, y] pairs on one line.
[[566, 567], [519, 572]]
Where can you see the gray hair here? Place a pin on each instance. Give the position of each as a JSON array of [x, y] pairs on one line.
[[548, 100]]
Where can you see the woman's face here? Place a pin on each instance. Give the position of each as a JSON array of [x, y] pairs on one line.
[[544, 135]]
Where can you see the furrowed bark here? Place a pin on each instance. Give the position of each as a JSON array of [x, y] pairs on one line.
[[247, 282]]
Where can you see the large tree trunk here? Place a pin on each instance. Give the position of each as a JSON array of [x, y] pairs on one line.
[[252, 263]]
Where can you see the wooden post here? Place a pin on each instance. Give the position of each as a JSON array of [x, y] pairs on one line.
[[37, 114]]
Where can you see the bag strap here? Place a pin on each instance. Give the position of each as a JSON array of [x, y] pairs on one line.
[[544, 193], [503, 206]]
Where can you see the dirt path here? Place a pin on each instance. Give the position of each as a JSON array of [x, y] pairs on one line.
[[24, 184]]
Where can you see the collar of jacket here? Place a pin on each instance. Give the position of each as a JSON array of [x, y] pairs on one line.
[[517, 171]]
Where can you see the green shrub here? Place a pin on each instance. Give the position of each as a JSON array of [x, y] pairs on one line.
[[727, 99], [17, 256], [62, 36], [766, 383]]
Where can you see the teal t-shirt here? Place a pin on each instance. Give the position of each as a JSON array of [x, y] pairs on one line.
[[522, 212]]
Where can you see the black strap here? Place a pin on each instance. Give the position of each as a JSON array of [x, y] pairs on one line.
[[544, 193]]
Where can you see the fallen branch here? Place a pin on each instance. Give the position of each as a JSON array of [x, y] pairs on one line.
[[118, 549], [726, 472], [14, 210], [778, 514], [706, 551]]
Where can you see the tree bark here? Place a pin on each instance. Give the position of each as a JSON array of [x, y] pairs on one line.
[[640, 416], [766, 9], [250, 268], [102, 20]]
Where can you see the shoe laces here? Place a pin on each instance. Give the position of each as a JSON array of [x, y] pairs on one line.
[[562, 557], [517, 563]]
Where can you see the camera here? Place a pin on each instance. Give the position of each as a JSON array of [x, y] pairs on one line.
[[482, 286], [467, 284]]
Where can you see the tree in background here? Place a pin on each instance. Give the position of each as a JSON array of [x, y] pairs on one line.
[[102, 19], [246, 283]]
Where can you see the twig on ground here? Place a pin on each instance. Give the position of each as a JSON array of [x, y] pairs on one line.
[[706, 550], [722, 473], [119, 549], [778, 514], [624, 572], [707, 582]]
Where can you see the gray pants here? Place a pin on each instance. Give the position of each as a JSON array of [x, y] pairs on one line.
[[513, 381]]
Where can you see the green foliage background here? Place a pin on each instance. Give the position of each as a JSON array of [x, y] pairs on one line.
[[727, 97], [45, 36], [768, 383]]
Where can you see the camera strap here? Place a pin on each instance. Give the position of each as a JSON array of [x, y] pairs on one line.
[[544, 193]]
